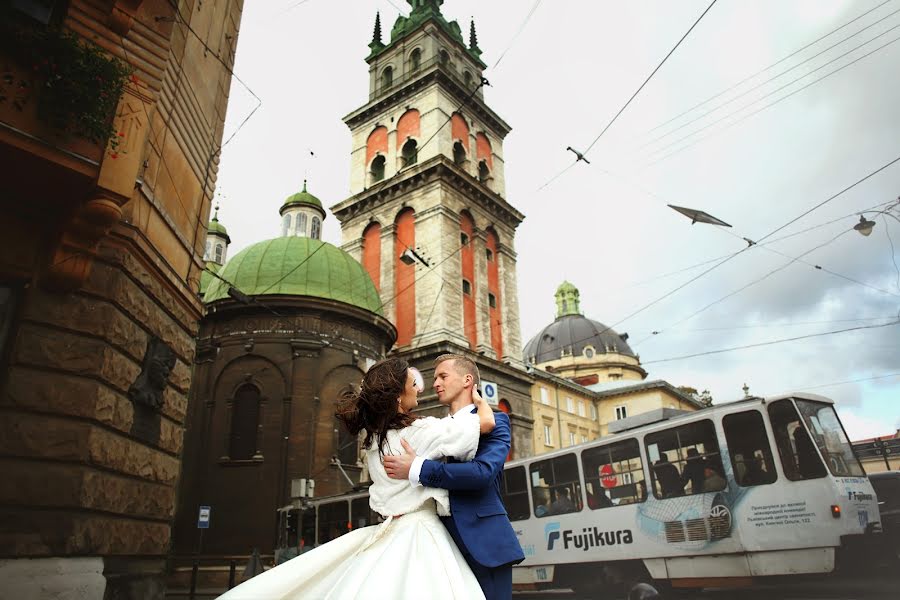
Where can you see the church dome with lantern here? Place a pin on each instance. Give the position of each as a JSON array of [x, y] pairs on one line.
[[579, 348]]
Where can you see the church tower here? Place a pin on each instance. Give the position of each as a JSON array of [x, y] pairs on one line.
[[428, 216]]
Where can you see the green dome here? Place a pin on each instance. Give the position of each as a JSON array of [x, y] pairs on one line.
[[217, 228], [302, 197], [297, 266], [206, 277]]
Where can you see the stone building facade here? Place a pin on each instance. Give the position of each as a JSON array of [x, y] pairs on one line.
[[429, 217], [99, 268]]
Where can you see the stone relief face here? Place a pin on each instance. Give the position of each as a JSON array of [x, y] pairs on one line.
[[147, 389]]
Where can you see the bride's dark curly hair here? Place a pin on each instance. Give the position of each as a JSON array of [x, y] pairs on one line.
[[375, 409]]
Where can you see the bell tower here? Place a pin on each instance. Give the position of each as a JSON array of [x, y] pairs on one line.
[[428, 215]]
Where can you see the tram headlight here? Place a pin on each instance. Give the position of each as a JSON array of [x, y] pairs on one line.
[[835, 511]]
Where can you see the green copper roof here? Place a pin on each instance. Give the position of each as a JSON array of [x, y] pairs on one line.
[[567, 300], [302, 197], [422, 11], [217, 228], [206, 277], [297, 266]]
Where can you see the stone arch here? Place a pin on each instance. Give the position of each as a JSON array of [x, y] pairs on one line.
[[404, 277]]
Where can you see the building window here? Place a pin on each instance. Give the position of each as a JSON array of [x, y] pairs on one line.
[[410, 152], [445, 58], [571, 438], [463, 239], [584, 439], [483, 171], [244, 423], [489, 254], [548, 435], [387, 78], [316, 232], [467, 78], [615, 376], [285, 225], [570, 404], [492, 301], [301, 225], [467, 287], [206, 255], [459, 153], [545, 396], [593, 411], [621, 412], [378, 168], [581, 409], [220, 251], [415, 60]]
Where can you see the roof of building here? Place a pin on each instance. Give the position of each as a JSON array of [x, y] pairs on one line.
[[206, 277], [622, 386], [217, 228], [300, 198], [569, 334], [297, 266]]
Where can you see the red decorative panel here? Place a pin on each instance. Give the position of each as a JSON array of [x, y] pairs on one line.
[[408, 127], [405, 278], [460, 129], [483, 150], [377, 142], [372, 253]]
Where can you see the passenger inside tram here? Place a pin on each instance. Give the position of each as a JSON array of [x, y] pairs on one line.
[[667, 476]]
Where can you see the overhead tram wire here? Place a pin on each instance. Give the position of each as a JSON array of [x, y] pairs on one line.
[[759, 110], [835, 383], [769, 343], [534, 7], [633, 96], [760, 240], [774, 77], [893, 253], [775, 64]]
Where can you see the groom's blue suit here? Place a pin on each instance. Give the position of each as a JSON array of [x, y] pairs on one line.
[[478, 523]]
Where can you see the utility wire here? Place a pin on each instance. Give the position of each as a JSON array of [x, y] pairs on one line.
[[771, 79], [775, 64], [893, 254], [834, 383], [759, 110], [633, 96], [534, 7], [763, 97], [768, 343]]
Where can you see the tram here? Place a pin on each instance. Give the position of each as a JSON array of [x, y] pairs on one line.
[[725, 496]]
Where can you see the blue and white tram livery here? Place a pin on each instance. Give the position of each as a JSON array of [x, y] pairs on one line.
[[760, 488]]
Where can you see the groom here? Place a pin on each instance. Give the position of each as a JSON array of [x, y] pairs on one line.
[[478, 523]]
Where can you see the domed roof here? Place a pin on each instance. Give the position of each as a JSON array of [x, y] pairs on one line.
[[206, 277], [297, 266], [302, 197], [569, 335], [217, 228]]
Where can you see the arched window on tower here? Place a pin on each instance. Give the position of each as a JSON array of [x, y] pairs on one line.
[[484, 173], [244, 423], [445, 58], [208, 254], [301, 225], [285, 225], [316, 232], [377, 169], [410, 152], [415, 60], [467, 78], [387, 78], [459, 153], [220, 252]]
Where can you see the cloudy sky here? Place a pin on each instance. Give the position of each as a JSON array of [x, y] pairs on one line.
[[768, 146]]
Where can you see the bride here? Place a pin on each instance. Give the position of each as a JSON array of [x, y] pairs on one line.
[[410, 554]]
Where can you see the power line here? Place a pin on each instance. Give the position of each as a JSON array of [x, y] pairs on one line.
[[633, 96], [775, 64], [521, 28], [759, 110], [834, 383], [769, 343], [893, 254]]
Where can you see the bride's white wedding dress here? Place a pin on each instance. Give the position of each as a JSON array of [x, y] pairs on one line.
[[409, 556]]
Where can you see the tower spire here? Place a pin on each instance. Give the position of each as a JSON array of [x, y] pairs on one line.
[[376, 45], [474, 50]]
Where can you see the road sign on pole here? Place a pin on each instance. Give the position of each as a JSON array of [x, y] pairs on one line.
[[203, 517]]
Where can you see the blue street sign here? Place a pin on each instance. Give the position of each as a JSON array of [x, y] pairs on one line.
[[203, 517]]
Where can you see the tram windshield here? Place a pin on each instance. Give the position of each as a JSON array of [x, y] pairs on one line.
[[828, 435]]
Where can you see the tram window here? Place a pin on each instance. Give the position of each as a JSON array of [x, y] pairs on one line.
[[799, 458], [308, 529], [515, 493], [360, 513], [829, 436], [555, 486], [614, 475], [333, 520], [748, 444], [685, 460]]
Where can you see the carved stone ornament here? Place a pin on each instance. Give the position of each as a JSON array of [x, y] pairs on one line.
[[147, 389]]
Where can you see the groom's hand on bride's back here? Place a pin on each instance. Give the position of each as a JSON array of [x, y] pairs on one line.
[[397, 467]]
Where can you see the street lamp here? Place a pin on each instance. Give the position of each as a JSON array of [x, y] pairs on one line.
[[865, 226], [410, 257]]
